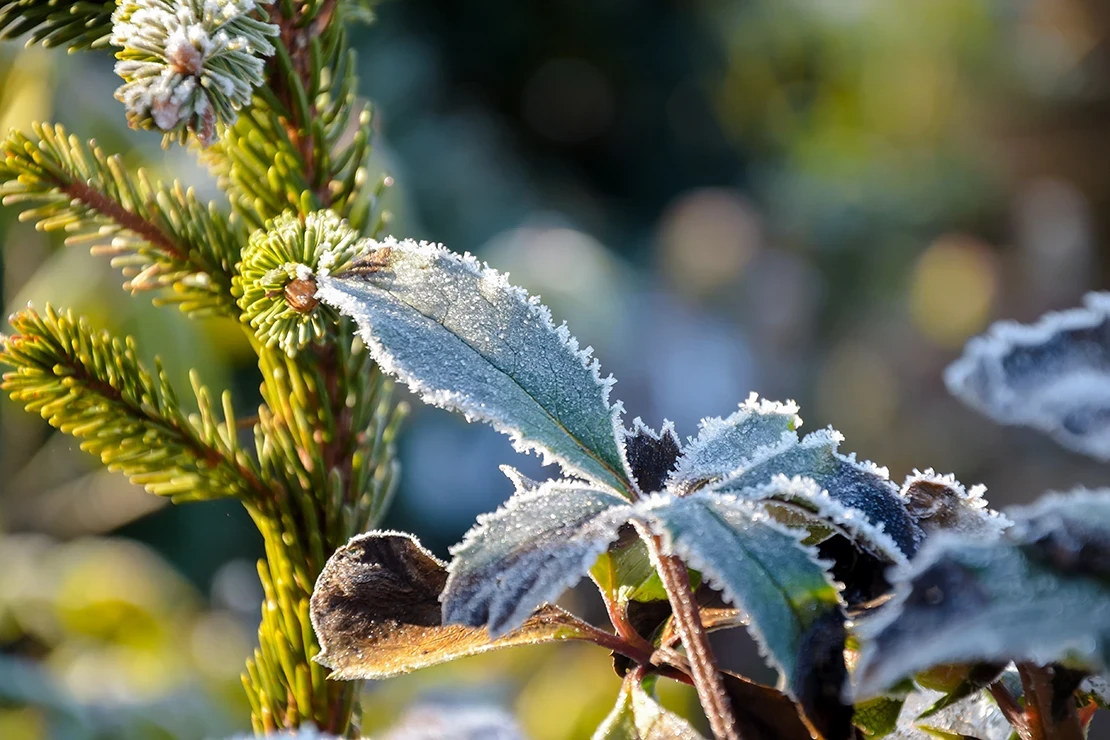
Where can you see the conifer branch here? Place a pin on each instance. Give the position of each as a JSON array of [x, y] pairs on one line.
[[84, 24], [303, 143], [92, 386], [160, 236]]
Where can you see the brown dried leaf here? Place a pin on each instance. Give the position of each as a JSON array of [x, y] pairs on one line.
[[377, 614]]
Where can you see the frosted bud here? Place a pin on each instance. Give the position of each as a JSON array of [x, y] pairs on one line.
[[276, 285], [188, 64]]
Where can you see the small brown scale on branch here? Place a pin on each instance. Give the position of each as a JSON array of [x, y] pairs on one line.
[[300, 294]]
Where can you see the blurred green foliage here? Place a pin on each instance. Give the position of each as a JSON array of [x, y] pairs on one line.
[[817, 199]]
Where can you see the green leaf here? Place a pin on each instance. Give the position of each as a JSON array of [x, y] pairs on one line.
[[759, 565], [528, 552], [877, 717], [376, 612], [724, 446], [1040, 593], [860, 497], [626, 574], [637, 716], [465, 339]]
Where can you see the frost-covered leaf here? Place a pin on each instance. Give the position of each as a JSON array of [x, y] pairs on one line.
[[465, 339], [448, 722], [637, 716], [1040, 593], [528, 552], [940, 503], [762, 568], [1053, 375], [376, 612], [725, 445], [651, 455], [977, 716], [860, 497]]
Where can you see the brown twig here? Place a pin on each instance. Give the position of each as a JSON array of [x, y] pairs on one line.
[[1047, 719], [687, 620]]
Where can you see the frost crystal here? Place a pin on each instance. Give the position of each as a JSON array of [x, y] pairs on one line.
[[1053, 375], [187, 64]]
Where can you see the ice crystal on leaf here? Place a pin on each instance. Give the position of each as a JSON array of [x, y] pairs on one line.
[[188, 64]]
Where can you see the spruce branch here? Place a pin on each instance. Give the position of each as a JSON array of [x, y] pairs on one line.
[[84, 24], [189, 64], [161, 236], [303, 143], [92, 386]]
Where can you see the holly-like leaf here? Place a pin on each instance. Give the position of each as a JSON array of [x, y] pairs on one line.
[[637, 716], [465, 339], [376, 612], [1053, 375], [1040, 593], [866, 502], [528, 552], [726, 445], [759, 565]]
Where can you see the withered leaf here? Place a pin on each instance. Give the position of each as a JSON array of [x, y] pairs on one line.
[[376, 612], [763, 713]]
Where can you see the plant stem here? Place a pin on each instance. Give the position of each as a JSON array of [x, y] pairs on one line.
[[1013, 712], [687, 619], [1046, 718]]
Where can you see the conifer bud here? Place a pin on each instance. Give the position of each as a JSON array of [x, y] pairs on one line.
[[276, 286], [189, 64]]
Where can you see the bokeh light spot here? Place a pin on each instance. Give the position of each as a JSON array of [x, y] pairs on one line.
[[952, 289], [707, 237]]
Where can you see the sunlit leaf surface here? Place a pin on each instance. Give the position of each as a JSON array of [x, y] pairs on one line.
[[528, 552], [637, 716], [465, 339]]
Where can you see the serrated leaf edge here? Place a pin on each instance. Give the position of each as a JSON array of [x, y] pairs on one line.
[[570, 577], [643, 516], [454, 401]]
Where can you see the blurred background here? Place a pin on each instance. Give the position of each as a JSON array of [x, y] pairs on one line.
[[812, 199]]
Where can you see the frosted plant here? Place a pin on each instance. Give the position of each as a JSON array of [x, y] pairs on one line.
[[1053, 375], [746, 523], [189, 64], [1031, 588]]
